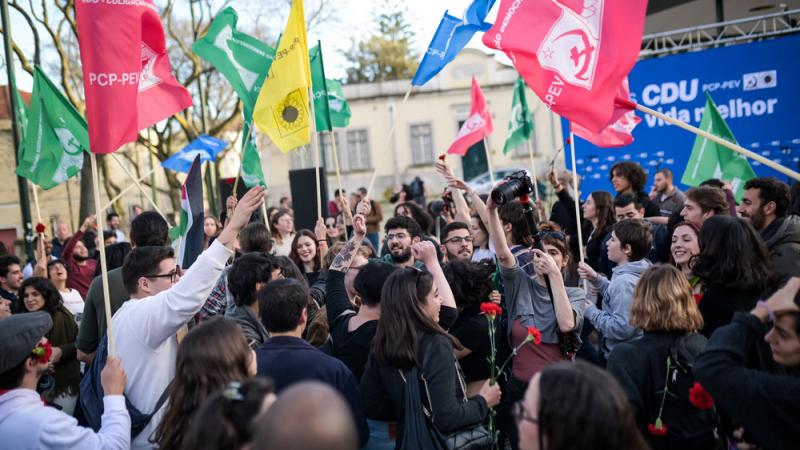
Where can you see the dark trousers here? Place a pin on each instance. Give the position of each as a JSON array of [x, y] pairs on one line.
[[514, 393]]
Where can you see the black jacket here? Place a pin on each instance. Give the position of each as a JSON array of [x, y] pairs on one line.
[[383, 390], [640, 367], [719, 303], [766, 405]]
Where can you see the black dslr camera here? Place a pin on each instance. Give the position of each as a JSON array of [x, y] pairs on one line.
[[514, 185]]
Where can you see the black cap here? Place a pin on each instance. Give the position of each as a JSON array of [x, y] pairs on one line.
[[19, 334]]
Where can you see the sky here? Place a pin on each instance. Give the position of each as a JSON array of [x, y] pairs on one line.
[[352, 21]]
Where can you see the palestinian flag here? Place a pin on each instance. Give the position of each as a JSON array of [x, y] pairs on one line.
[[190, 230]]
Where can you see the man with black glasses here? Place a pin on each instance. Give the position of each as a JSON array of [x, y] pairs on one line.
[[162, 301], [457, 242]]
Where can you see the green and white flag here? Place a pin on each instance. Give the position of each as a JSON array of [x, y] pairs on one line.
[[330, 107], [242, 59], [711, 160], [252, 174], [55, 136], [520, 125]]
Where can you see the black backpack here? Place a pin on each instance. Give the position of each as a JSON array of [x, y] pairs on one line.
[[91, 396]]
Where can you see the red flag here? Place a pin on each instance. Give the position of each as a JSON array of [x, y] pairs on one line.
[[618, 133], [476, 127], [572, 53], [127, 76]]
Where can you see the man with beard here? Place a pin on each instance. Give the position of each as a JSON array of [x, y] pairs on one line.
[[80, 266], [10, 281], [457, 242], [665, 195], [401, 233], [765, 204]]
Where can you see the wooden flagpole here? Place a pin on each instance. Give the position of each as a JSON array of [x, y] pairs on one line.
[[35, 195], [126, 190], [488, 159], [103, 265], [735, 147], [315, 149], [533, 176], [577, 203], [388, 143], [139, 185]]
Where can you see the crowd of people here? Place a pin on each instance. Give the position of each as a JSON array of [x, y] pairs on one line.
[[674, 323]]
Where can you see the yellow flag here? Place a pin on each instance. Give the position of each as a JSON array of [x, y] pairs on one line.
[[281, 110]]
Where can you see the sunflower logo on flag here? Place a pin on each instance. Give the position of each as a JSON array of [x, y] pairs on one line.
[[291, 114]]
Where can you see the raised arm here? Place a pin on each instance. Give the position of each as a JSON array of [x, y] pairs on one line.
[[425, 251], [497, 237]]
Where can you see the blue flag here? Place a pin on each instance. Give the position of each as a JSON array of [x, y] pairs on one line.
[[204, 146], [451, 36]]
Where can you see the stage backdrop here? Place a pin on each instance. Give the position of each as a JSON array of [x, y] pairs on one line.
[[755, 87]]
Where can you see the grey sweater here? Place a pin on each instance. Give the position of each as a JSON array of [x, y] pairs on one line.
[[614, 320]]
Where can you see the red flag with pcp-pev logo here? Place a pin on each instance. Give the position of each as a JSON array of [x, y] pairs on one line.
[[127, 76], [477, 126], [617, 134], [573, 53]]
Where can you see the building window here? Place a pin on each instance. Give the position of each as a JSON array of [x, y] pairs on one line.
[[421, 144], [301, 158], [327, 144], [357, 150]]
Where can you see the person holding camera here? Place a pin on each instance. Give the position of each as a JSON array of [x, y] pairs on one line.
[[527, 300]]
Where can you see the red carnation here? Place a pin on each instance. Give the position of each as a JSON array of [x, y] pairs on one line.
[[698, 298], [534, 335], [491, 309], [657, 429], [699, 397], [43, 352], [40, 228], [442, 157], [569, 141]]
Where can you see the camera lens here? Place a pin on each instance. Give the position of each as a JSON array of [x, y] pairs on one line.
[[506, 192]]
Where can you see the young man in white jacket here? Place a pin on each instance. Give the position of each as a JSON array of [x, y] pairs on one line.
[[25, 421], [162, 302]]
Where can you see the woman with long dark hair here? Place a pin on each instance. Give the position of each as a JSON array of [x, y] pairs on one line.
[[683, 252], [212, 355], [281, 226], [733, 266], [39, 294], [598, 209], [410, 334], [308, 251], [211, 229], [664, 308], [576, 407]]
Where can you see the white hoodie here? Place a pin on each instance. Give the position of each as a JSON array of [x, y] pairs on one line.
[[27, 424]]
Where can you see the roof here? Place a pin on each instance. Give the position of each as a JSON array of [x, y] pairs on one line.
[[5, 109]]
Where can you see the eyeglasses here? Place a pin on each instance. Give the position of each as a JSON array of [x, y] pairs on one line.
[[173, 275], [459, 240], [519, 414], [398, 236]]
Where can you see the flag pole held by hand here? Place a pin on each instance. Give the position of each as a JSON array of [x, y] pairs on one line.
[[577, 203], [388, 143], [102, 251]]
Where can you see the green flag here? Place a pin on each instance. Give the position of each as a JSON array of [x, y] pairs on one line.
[[242, 59], [252, 174], [335, 112], [520, 125], [711, 160], [56, 136], [337, 104]]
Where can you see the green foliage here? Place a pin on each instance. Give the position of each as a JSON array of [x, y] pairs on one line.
[[387, 54]]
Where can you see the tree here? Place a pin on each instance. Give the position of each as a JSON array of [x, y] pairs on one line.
[[386, 55]]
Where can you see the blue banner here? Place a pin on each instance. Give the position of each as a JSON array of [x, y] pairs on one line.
[[450, 37], [754, 86], [206, 147]]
